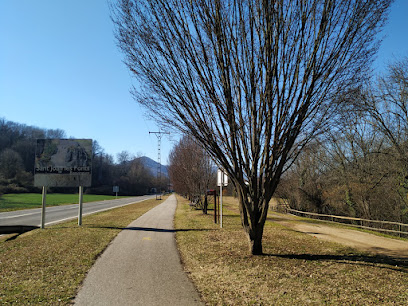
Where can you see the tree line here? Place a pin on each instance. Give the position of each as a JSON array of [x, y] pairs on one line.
[[17, 157], [191, 170], [359, 167]]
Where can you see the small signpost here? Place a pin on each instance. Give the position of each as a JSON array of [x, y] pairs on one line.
[[81, 192], [222, 180], [44, 196], [63, 163], [116, 190]]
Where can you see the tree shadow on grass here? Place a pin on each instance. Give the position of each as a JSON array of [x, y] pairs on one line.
[[16, 230], [278, 220], [231, 216], [392, 263]]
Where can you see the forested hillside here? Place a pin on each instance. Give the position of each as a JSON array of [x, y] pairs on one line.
[[17, 150]]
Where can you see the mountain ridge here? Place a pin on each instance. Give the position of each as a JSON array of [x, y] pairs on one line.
[[152, 166]]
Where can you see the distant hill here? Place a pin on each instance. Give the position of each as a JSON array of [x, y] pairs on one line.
[[152, 166]]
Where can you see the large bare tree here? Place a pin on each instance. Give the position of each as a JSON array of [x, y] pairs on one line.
[[251, 80]]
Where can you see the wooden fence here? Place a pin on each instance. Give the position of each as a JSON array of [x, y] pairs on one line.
[[393, 228]]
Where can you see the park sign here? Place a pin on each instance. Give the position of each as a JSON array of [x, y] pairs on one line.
[[63, 163]]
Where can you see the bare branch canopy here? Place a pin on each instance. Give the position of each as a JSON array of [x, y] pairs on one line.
[[251, 80]]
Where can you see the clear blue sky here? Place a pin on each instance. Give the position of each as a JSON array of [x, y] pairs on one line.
[[60, 68]]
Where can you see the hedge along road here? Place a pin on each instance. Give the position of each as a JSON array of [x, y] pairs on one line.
[[55, 214]]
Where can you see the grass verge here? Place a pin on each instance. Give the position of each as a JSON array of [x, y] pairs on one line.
[[18, 201], [233, 204], [345, 226], [47, 266], [296, 268]]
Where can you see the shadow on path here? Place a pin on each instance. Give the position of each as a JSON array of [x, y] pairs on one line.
[[150, 229], [394, 263]]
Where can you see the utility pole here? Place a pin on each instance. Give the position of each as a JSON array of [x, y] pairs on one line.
[[159, 137]]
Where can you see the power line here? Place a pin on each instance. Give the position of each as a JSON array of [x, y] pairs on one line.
[[159, 137]]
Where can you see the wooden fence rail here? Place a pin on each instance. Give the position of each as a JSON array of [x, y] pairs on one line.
[[395, 228]]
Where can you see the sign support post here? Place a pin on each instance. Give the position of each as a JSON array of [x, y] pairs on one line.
[[116, 190], [81, 188], [221, 204], [222, 180], [44, 195]]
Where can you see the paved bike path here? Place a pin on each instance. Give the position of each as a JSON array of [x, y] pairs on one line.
[[141, 266]]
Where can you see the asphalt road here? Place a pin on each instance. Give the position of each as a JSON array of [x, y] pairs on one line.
[[55, 214], [141, 266]]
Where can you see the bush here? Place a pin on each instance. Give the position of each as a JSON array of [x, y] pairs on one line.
[[12, 188]]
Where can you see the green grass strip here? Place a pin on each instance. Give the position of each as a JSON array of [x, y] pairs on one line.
[[47, 266], [19, 201]]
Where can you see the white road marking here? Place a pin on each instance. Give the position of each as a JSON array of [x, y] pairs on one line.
[[21, 215], [66, 208], [90, 213]]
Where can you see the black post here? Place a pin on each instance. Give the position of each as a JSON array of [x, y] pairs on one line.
[[205, 204], [215, 207]]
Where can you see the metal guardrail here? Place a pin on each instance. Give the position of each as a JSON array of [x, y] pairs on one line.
[[395, 228]]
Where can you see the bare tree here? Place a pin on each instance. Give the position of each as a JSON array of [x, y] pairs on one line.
[[10, 163], [191, 169], [251, 80], [353, 171], [386, 102], [55, 133], [124, 157]]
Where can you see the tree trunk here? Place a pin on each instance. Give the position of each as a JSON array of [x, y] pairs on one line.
[[253, 222], [255, 240]]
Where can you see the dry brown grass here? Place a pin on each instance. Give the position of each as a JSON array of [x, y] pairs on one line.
[[47, 266], [296, 268]]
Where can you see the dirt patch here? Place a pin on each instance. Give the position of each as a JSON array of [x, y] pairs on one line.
[[359, 240]]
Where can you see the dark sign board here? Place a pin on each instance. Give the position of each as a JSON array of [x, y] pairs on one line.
[[63, 163]]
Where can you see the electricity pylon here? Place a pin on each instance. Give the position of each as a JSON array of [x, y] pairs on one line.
[[159, 137]]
